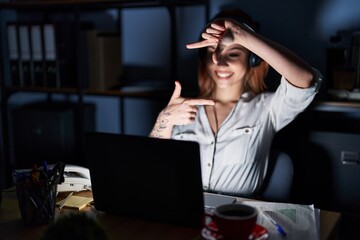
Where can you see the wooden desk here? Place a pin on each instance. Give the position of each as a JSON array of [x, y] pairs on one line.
[[118, 227]]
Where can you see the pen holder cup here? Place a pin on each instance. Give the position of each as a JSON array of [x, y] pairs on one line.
[[37, 199]]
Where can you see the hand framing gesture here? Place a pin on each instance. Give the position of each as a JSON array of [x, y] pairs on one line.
[[179, 111]]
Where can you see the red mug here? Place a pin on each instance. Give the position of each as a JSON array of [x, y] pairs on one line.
[[235, 221]]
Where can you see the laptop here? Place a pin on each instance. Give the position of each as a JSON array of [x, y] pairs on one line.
[[148, 178]]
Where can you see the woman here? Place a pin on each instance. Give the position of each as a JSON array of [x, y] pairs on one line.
[[235, 120]]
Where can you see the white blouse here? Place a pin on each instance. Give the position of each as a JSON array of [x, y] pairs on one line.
[[235, 160]]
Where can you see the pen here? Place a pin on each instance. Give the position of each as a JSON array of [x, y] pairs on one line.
[[279, 229], [46, 168], [66, 199]]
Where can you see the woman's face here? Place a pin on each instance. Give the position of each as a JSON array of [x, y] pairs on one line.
[[231, 66]]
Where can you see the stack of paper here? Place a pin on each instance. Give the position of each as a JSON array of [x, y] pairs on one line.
[[75, 202], [298, 221]]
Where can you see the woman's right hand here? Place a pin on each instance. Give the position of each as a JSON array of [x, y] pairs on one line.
[[179, 111], [182, 111]]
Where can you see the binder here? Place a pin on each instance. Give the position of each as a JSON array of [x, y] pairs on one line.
[[52, 76], [37, 56], [105, 66], [65, 37], [355, 57], [25, 56], [14, 58]]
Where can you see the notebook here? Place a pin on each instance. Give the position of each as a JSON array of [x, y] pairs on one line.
[[148, 178]]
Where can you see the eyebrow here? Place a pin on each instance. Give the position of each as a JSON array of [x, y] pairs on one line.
[[237, 47]]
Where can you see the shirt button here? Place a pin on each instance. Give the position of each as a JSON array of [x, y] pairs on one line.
[[209, 164], [212, 143], [205, 187], [247, 130]]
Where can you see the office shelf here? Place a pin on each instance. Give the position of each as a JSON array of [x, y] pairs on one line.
[[151, 93], [76, 8], [96, 5]]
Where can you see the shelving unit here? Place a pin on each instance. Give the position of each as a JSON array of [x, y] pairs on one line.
[[79, 7], [47, 8]]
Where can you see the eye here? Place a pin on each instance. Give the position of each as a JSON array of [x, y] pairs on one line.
[[234, 54]]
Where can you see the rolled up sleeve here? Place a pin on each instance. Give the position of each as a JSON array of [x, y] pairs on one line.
[[289, 100]]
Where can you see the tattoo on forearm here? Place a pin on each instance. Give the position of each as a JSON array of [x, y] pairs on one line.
[[161, 124]]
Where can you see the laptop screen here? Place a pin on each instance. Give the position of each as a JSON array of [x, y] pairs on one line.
[[148, 178]]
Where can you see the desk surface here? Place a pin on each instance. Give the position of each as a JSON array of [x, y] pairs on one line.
[[118, 227]]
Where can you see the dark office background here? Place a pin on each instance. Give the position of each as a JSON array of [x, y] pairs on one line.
[[303, 26]]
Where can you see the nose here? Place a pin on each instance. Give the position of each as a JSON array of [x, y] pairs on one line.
[[219, 59]]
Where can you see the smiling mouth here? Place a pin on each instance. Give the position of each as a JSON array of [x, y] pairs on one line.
[[223, 75]]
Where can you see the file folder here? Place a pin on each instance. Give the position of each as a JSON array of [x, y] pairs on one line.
[[38, 66], [13, 47], [52, 78], [105, 66], [25, 57]]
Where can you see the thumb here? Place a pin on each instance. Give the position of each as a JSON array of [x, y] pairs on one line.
[[177, 91]]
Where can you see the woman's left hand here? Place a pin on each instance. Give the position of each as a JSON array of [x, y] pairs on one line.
[[219, 35]]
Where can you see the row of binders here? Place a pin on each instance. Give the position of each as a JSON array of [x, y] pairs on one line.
[[47, 55]]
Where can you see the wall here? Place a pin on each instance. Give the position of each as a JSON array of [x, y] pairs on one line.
[[302, 26]]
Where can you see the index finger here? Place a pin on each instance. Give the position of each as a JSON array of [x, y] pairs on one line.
[[201, 44], [194, 102], [210, 37]]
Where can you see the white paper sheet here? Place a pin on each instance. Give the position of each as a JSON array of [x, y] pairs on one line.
[[298, 221]]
